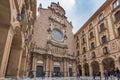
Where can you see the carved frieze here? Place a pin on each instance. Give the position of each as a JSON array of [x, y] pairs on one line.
[[113, 47]]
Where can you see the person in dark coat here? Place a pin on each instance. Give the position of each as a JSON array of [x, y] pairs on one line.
[[106, 75], [94, 74], [117, 71]]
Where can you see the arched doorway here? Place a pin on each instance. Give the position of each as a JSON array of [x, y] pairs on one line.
[[86, 69], [80, 70], [14, 60], [108, 64], [95, 67], [4, 27], [39, 71]]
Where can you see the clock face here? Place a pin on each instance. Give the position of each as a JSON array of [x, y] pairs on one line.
[[57, 35]]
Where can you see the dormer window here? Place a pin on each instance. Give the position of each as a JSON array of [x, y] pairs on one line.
[[101, 16], [115, 4]]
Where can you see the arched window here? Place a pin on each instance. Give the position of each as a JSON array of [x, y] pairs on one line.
[[116, 4]]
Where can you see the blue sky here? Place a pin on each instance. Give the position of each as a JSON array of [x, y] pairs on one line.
[[77, 11]]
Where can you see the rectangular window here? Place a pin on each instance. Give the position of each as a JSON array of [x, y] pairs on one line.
[[91, 35], [92, 45], [105, 50], [117, 16], [91, 26], [101, 16], [102, 27], [118, 31], [104, 39]]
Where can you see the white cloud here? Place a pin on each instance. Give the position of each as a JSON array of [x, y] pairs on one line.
[[67, 4]]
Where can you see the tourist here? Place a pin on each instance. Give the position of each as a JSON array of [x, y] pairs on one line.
[[106, 74], [94, 74], [117, 73]]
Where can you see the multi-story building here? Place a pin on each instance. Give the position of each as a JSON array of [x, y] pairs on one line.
[[98, 41], [16, 30], [53, 51]]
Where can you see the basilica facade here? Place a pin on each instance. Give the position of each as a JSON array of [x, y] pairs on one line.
[[54, 51], [98, 41]]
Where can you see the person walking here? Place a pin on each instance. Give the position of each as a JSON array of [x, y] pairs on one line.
[[117, 71], [106, 74], [94, 74], [99, 74]]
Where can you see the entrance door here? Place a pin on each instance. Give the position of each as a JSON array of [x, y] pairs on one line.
[[56, 71], [39, 71], [70, 72]]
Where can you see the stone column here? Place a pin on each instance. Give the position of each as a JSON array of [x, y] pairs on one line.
[[47, 66], [34, 66], [65, 68], [101, 70], [74, 68], [117, 64], [83, 71], [90, 69], [51, 66]]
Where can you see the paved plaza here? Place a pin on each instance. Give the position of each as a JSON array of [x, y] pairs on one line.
[[65, 78]]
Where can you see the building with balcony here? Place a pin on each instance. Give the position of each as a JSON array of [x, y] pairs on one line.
[[16, 30], [54, 51], [98, 40]]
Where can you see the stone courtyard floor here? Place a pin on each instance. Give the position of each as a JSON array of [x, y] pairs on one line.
[[65, 78]]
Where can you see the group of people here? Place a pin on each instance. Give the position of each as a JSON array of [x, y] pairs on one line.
[[112, 74], [57, 74]]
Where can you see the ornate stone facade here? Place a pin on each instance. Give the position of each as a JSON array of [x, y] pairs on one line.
[[97, 42], [53, 51], [16, 30]]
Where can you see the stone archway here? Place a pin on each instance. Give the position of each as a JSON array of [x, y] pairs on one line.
[[108, 64], [86, 69], [14, 60], [95, 67], [80, 70], [4, 28]]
